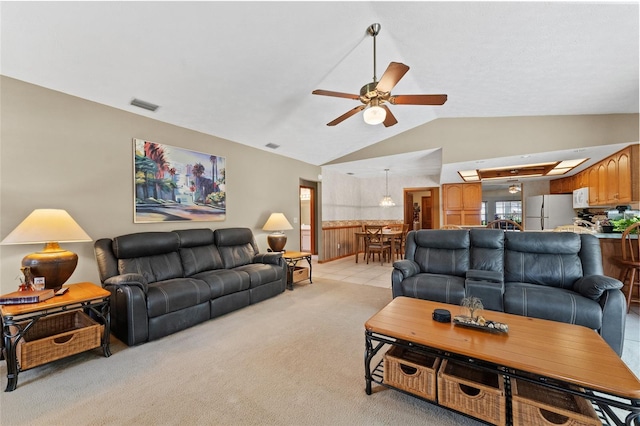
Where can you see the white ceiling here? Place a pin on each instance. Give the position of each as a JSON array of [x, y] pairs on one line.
[[244, 71]]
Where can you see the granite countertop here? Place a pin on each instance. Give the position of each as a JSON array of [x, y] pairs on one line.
[[615, 235]]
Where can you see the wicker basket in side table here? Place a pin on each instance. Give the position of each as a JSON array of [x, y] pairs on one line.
[[56, 337]]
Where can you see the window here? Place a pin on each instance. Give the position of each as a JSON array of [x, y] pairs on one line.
[[483, 213], [509, 210]]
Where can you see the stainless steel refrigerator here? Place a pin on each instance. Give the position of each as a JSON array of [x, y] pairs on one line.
[[545, 212]]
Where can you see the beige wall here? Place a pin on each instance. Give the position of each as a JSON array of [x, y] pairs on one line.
[[466, 139], [59, 151]]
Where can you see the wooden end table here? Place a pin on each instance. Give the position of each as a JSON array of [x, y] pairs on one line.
[[18, 319], [551, 354], [292, 258]]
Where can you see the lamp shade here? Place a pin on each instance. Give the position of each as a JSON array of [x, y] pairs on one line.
[[277, 222], [47, 225]]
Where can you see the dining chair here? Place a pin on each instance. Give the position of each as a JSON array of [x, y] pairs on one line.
[[401, 241], [630, 263], [506, 224], [374, 242]]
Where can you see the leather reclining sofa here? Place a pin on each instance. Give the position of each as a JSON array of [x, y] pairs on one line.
[[556, 276], [164, 282]]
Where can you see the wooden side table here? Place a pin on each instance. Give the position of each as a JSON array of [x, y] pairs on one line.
[[17, 320], [292, 258]]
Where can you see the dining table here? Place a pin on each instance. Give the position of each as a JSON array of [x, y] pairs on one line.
[[389, 235]]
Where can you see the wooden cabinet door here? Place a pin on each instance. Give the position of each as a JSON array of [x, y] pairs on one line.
[[472, 217], [593, 185], [452, 196], [453, 217], [555, 186], [602, 183], [623, 177], [611, 181], [472, 196]]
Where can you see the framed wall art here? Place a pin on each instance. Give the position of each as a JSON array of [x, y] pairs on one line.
[[174, 184]]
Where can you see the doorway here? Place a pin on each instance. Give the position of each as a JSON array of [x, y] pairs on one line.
[[308, 219], [422, 207]]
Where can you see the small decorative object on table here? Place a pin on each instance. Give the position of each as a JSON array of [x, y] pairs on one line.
[[441, 315], [473, 305]]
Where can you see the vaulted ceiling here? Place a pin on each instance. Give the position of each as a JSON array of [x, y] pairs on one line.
[[244, 71]]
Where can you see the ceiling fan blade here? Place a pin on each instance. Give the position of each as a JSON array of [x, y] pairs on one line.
[[335, 94], [418, 99], [346, 115], [395, 71], [389, 120]]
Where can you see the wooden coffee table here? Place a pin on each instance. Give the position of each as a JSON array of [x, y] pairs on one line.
[[548, 353]]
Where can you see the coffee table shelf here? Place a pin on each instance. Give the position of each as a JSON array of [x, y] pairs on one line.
[[569, 367]]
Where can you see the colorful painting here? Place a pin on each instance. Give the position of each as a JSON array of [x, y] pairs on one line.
[[174, 184]]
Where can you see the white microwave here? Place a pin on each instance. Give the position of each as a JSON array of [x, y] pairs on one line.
[[581, 198]]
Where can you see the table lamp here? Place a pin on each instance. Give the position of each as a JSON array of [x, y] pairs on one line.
[[277, 223], [49, 226]]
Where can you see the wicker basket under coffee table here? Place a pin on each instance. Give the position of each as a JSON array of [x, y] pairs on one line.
[[38, 333]]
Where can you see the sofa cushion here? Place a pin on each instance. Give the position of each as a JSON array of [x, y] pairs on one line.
[[594, 286], [260, 274], [487, 250], [549, 303], [145, 244], [435, 287], [236, 246], [153, 268], [176, 294], [442, 251], [224, 281], [545, 258]]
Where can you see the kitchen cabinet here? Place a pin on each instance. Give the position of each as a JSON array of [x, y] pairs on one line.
[[613, 181], [462, 203], [593, 186]]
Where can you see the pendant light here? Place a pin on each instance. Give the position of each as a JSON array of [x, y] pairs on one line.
[[386, 200]]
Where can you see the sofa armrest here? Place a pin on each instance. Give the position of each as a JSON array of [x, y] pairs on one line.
[[128, 279], [406, 267], [594, 286], [271, 258], [488, 276]]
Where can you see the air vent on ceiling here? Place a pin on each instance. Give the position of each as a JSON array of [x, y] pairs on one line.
[[144, 105], [272, 146]]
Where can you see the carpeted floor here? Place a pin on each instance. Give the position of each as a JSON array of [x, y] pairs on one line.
[[296, 359]]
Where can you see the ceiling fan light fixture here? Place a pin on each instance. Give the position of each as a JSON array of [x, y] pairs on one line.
[[374, 115]]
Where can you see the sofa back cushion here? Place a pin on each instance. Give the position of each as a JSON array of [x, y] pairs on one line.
[[198, 251], [153, 255], [237, 246], [439, 251], [487, 249], [545, 258]]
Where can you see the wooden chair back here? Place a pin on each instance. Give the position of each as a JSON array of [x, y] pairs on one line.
[[507, 224]]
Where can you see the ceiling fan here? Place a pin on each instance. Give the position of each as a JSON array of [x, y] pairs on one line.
[[375, 94]]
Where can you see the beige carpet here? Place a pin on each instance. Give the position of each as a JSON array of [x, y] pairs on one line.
[[296, 359]]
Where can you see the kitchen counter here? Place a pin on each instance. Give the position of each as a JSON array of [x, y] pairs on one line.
[[615, 235]]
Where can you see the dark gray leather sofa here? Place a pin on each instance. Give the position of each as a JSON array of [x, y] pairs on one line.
[[550, 275], [164, 282]]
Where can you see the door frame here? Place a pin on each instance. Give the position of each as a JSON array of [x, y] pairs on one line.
[[435, 207], [312, 216]]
